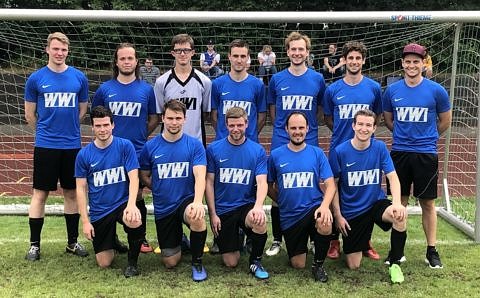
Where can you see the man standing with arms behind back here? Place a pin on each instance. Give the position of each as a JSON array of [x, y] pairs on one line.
[[186, 84], [132, 103], [296, 88], [55, 101], [342, 99], [417, 111]]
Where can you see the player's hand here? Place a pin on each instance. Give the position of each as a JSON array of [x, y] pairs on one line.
[[398, 212], [196, 211], [342, 225], [132, 214], [88, 231], [323, 215], [258, 215], [215, 224]]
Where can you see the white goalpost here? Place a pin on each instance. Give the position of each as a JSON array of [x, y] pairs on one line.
[[452, 39]]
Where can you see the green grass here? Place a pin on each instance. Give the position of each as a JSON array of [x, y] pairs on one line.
[[58, 274]]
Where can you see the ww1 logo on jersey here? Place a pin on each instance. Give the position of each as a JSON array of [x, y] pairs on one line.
[[173, 170], [190, 102], [125, 108], [412, 114], [109, 176], [246, 105], [60, 100], [297, 102], [297, 180], [361, 178], [235, 176], [349, 110]]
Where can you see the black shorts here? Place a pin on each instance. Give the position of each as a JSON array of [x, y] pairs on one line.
[[106, 229], [228, 240], [170, 229], [296, 236], [421, 169], [52, 165], [362, 227]]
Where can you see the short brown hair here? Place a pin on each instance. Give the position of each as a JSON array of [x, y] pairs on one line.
[[176, 106], [366, 113], [58, 36], [356, 46], [236, 112], [297, 36], [239, 43], [182, 38], [116, 71]]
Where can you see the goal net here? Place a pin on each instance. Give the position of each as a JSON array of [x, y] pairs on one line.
[[453, 46]]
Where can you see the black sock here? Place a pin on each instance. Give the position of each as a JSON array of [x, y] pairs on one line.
[[143, 212], [431, 248], [72, 227], [322, 243], [197, 242], [258, 245], [397, 246], [134, 242], [276, 230], [36, 225]]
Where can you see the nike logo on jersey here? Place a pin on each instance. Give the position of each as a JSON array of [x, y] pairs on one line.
[[397, 99], [112, 95], [223, 160], [158, 156], [45, 86], [94, 164], [340, 97], [284, 88], [225, 93], [283, 164], [350, 164]]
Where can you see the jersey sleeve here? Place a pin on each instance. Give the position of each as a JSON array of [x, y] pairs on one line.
[[31, 93], [327, 102], [206, 95], [271, 176], [81, 171], [151, 105], [159, 90], [145, 163], [325, 170], [261, 168], [210, 160], [131, 160], [260, 99], [83, 94], [443, 101], [272, 93], [98, 97], [199, 157], [386, 101], [333, 159]]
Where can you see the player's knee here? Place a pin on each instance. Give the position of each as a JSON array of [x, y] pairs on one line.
[[259, 229], [103, 262], [353, 265], [400, 225], [170, 262], [298, 262], [230, 261], [324, 229], [197, 225]]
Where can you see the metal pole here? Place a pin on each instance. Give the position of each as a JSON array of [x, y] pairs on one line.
[[477, 200], [448, 134]]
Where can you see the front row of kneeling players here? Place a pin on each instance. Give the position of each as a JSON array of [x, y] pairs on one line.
[[234, 174]]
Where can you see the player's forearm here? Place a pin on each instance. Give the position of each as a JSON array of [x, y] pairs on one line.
[[200, 177], [330, 190], [272, 191], [395, 188], [213, 118], [133, 187], [82, 201], [145, 177], [210, 195], [262, 190], [83, 106]]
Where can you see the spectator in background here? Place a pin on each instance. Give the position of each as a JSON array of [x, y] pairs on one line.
[[148, 72], [333, 64], [209, 62], [428, 67], [266, 59]]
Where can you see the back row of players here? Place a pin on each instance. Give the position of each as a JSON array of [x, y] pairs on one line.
[[174, 165]]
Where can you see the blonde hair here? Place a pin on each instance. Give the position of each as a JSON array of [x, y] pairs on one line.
[[297, 36], [58, 36]]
